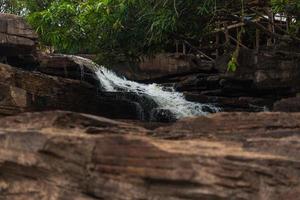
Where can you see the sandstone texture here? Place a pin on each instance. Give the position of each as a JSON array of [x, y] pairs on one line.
[[65, 155]]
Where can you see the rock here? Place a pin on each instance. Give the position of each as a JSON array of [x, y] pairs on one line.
[[255, 86], [246, 104], [66, 120], [162, 115], [16, 36], [25, 62], [23, 91], [198, 82], [146, 103], [68, 67], [47, 156], [162, 66], [288, 105], [271, 73], [241, 126]]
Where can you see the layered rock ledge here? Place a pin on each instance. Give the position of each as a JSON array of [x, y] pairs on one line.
[[63, 155], [16, 36]]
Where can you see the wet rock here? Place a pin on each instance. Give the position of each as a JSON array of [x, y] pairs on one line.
[[53, 155], [23, 91], [146, 103], [68, 67], [162, 115], [247, 104]]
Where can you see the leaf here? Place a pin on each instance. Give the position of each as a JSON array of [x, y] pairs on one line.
[[232, 65]]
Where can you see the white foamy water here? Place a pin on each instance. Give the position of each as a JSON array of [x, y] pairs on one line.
[[165, 98]]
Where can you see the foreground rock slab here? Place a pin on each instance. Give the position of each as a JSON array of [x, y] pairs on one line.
[[64, 155]]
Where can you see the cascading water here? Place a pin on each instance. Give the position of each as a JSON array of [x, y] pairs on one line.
[[165, 98]]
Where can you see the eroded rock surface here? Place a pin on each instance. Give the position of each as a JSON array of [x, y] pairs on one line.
[[162, 66], [67, 67], [63, 155], [16, 36]]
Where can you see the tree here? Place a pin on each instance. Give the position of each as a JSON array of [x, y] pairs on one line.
[[121, 28]]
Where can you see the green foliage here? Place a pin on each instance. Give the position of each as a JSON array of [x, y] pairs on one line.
[[232, 65], [292, 8], [288, 6], [120, 29]]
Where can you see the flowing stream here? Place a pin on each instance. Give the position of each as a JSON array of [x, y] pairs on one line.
[[165, 97]]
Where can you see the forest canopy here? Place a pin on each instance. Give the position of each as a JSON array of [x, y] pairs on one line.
[[128, 29]]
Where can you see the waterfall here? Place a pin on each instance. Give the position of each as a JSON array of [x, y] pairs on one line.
[[165, 97]]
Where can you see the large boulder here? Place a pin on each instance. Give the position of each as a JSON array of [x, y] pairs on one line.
[[68, 66], [16, 36], [60, 156]]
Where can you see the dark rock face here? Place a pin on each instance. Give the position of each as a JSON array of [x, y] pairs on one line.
[[258, 82], [63, 155], [288, 105], [67, 67], [272, 71], [147, 105], [22, 91], [162, 115]]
